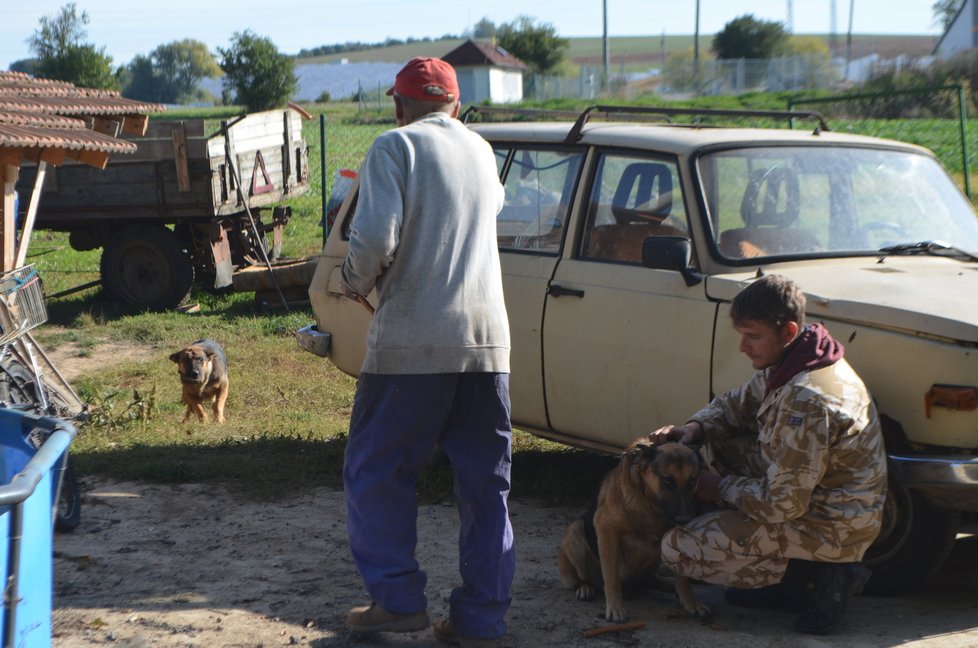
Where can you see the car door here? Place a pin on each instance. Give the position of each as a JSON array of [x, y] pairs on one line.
[[346, 321], [626, 347], [539, 183]]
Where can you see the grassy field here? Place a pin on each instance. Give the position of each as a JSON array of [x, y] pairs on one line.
[[635, 53]]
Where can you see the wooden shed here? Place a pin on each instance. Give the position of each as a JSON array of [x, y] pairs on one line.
[[43, 123], [486, 72]]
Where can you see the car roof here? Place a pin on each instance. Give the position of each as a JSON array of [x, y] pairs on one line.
[[678, 139]]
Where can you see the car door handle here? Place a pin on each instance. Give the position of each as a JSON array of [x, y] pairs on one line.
[[556, 290]]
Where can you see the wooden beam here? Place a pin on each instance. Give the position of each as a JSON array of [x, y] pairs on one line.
[[9, 217], [9, 157], [180, 157], [53, 156], [106, 126], [28, 227], [97, 159], [135, 124]]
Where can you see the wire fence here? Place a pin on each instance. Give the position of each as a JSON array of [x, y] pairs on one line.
[[931, 117], [934, 117]]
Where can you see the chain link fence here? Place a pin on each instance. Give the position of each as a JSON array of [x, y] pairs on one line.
[[931, 117]]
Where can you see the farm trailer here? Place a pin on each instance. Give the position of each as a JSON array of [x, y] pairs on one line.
[[188, 205]]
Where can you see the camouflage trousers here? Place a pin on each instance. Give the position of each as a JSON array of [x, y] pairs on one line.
[[726, 547]]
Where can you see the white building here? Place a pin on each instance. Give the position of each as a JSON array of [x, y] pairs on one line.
[[486, 72], [962, 34]]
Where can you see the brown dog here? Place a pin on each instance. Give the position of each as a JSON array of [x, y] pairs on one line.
[[203, 370], [650, 491]]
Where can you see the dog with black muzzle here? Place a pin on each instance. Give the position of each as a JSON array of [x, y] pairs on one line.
[[615, 546], [203, 370]]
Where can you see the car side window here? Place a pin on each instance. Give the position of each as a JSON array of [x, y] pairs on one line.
[[632, 198], [539, 185]]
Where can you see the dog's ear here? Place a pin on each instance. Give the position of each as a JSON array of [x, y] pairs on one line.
[[176, 356]]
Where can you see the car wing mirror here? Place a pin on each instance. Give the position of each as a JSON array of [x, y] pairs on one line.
[[670, 253]]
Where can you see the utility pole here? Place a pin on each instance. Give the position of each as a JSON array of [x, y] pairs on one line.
[[833, 45], [791, 18], [604, 48], [852, 5], [696, 48]]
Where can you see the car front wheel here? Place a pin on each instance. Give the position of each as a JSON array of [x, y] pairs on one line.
[[915, 540]]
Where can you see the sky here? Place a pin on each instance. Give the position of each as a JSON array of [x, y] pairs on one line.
[[127, 29]]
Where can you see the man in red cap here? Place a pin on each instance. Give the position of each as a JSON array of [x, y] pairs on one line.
[[436, 371]]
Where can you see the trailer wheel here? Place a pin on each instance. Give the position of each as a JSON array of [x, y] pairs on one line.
[[148, 267]]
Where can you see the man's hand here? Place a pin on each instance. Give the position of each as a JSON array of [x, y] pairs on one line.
[[357, 297], [687, 434]]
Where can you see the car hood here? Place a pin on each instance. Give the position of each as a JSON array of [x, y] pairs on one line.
[[917, 295]]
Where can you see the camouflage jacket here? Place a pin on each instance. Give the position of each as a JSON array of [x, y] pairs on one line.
[[822, 465]]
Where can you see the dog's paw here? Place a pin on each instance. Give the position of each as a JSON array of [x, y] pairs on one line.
[[698, 610], [615, 613], [585, 592]]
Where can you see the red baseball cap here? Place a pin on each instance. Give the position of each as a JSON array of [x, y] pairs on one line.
[[426, 79]]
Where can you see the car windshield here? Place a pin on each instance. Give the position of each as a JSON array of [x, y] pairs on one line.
[[784, 200]]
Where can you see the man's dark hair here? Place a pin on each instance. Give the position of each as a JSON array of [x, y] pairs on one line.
[[773, 299], [415, 108]]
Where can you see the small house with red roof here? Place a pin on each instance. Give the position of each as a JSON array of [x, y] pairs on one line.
[[486, 72]]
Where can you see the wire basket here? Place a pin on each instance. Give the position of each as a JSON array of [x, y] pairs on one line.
[[22, 305]]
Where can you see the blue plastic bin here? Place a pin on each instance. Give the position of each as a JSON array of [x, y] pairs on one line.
[[28, 501]]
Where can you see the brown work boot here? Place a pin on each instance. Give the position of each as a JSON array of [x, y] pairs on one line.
[[373, 618], [445, 633]]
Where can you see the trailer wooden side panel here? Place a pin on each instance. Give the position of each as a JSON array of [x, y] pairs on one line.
[[179, 173]]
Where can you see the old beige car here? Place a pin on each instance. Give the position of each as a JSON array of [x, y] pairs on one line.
[[623, 243]]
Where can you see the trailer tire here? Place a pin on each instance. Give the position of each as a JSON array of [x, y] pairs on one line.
[[148, 267]]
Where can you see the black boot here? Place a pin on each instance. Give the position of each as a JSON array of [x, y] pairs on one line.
[[827, 592], [788, 595]]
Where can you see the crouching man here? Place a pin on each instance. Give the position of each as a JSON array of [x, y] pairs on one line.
[[796, 468]]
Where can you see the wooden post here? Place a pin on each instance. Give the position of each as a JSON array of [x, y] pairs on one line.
[[28, 229], [9, 224], [180, 157]]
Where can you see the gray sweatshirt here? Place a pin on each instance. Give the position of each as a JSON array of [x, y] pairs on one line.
[[424, 235]]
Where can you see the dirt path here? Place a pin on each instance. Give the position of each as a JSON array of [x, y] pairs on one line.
[[191, 565]]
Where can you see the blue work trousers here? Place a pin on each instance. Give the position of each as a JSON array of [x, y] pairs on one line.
[[396, 423]]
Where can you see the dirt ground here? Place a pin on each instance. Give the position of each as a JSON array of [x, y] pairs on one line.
[[192, 565], [196, 566]]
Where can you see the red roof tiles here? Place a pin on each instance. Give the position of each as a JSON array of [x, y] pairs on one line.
[[42, 113]]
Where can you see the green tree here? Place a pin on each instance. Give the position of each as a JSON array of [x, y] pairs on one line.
[[27, 66], [484, 29], [749, 38], [61, 54], [260, 76], [945, 11], [171, 72], [536, 45]]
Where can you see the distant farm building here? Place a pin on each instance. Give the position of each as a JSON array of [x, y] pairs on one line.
[[486, 73], [962, 34]]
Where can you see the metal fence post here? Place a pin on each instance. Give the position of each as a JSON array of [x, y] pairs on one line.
[[963, 121], [322, 173]]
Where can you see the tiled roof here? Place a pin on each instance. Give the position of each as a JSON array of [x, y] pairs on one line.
[[473, 52], [44, 114]]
